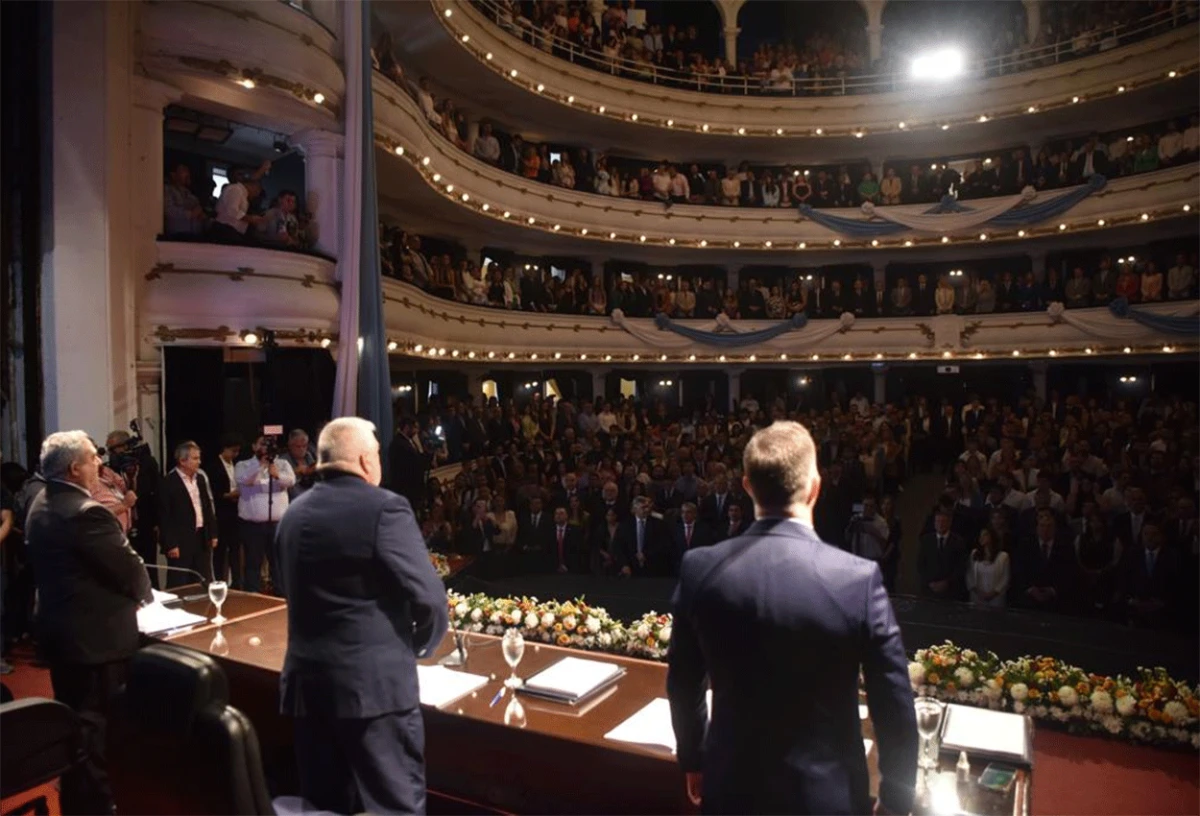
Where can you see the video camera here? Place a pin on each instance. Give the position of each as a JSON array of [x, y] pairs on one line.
[[271, 434], [131, 453]]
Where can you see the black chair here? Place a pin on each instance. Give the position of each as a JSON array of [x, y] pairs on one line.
[[40, 740], [177, 746]]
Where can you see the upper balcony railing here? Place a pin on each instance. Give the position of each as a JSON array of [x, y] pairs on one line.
[[833, 84]]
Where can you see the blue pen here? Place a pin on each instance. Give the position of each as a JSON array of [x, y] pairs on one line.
[[499, 696]]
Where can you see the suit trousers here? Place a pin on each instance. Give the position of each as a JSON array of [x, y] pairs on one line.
[[88, 691], [258, 540], [376, 765], [196, 556], [227, 555]]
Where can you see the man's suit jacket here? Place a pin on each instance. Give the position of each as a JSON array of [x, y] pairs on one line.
[[1135, 581], [218, 480], [1122, 528], [177, 516], [702, 536], [472, 540], [364, 602], [749, 614], [947, 564], [1032, 569], [531, 537], [90, 581], [656, 547], [574, 550]]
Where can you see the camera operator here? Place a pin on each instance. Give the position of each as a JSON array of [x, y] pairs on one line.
[[130, 457], [867, 533], [300, 456], [111, 491], [263, 483]]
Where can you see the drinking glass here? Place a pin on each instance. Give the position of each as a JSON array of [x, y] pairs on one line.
[[216, 594], [929, 719], [514, 713], [219, 645], [513, 646]]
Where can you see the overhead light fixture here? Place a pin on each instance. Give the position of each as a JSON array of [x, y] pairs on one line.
[[583, 231], [858, 134], [437, 177], [1120, 89], [945, 239], [448, 12], [819, 131], [1062, 227], [670, 123], [1032, 109], [531, 220], [1088, 350], [634, 117], [247, 83], [637, 357], [1074, 99], [326, 343], [392, 345], [249, 338], [612, 235], [671, 241], [703, 242], [642, 238], [557, 227], [602, 109], [801, 245], [767, 244], [513, 73], [874, 242], [319, 98], [837, 242], [902, 126], [737, 244], [1172, 74], [1145, 216], [571, 99], [908, 243], [983, 117], [470, 355], [983, 236], [466, 37], [540, 87], [945, 127], [704, 128], [939, 65], [399, 150], [1187, 207], [778, 131], [1020, 233], [1100, 222], [1053, 353], [488, 56]]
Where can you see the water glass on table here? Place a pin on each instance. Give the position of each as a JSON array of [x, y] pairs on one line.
[[929, 720], [217, 590]]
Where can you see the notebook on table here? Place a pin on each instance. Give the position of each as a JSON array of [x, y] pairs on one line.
[[987, 734], [572, 680]]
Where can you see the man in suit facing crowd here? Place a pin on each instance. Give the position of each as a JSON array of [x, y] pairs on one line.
[[90, 583], [187, 520], [407, 464], [942, 560], [363, 604], [749, 613]]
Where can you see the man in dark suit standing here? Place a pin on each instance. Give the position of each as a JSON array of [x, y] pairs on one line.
[[643, 545], [1044, 566], [687, 534], [363, 604], [187, 520], [942, 560], [227, 555], [748, 615], [1149, 581], [90, 583], [407, 465], [568, 550]]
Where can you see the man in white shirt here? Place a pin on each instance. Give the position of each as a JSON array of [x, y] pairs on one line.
[[233, 212], [1045, 491], [680, 189], [1191, 139], [487, 147], [425, 100], [607, 418], [661, 181], [263, 484], [1170, 144], [1180, 278]]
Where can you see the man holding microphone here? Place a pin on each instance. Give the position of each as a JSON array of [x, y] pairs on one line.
[[263, 483]]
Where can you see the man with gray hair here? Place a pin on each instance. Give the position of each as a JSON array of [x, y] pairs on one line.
[[304, 465], [643, 543], [364, 603], [750, 615], [90, 584]]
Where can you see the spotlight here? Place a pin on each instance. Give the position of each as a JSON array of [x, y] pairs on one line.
[[393, 345], [326, 342], [249, 338], [319, 98], [939, 65], [248, 84]]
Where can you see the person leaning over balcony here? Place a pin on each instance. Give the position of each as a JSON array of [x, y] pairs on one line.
[[1180, 278], [487, 146], [182, 213]]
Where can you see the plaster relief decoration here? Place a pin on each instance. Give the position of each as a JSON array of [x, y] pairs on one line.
[[947, 331], [791, 335], [1182, 319], [949, 216]]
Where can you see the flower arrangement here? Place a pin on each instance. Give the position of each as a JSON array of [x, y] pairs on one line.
[[649, 636], [1151, 707], [574, 623], [441, 564]]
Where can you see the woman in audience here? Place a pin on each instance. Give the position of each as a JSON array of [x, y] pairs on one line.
[[530, 163], [868, 188], [685, 300], [505, 521], [890, 187], [776, 305], [664, 300], [1128, 286], [597, 300], [988, 572], [943, 298], [1097, 554], [1152, 283], [604, 544], [797, 299], [770, 191], [577, 516], [801, 191]]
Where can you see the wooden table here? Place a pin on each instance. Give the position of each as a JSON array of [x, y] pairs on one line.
[[555, 761]]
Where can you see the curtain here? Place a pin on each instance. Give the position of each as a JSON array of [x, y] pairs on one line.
[[782, 337], [1182, 319]]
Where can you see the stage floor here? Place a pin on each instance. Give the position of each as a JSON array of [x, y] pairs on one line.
[[1096, 646]]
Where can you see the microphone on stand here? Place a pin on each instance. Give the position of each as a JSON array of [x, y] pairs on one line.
[[203, 581], [459, 656]]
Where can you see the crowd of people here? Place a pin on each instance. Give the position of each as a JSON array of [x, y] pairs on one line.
[[1059, 163], [621, 39], [1149, 276], [1071, 504], [239, 214]]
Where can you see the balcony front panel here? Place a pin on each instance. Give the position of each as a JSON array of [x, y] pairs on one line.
[[491, 192], [1101, 75]]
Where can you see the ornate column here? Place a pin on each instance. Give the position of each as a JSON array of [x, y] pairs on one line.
[[874, 9], [1038, 369], [323, 185], [880, 371], [729, 10], [599, 381], [879, 269], [1037, 264], [1033, 20], [735, 387]]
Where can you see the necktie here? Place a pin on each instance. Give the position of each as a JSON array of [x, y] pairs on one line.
[[732, 528], [720, 503], [941, 543], [1046, 550], [561, 533], [1150, 562], [687, 535], [536, 517], [1135, 525], [641, 535]]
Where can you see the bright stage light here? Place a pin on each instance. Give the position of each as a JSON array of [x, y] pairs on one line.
[[939, 65]]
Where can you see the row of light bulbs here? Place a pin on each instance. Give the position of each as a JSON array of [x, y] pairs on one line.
[[523, 357], [513, 76], [837, 243]]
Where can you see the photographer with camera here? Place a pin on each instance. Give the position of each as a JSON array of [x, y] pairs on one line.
[[263, 483], [867, 533], [129, 457]]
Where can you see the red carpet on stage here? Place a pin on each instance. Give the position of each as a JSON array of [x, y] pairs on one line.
[[1072, 775]]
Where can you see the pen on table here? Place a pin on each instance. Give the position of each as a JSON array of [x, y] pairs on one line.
[[499, 696]]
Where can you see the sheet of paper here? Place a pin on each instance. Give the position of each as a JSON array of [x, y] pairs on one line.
[[650, 725], [163, 597], [979, 729], [572, 677], [155, 618], [440, 686]]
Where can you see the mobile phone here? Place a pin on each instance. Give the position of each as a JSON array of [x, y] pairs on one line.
[[857, 508], [997, 778]]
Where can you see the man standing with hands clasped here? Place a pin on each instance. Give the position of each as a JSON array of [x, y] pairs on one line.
[[364, 603], [780, 623], [263, 482]]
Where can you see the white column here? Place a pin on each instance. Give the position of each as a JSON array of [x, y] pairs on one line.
[[87, 267], [731, 34], [1037, 264], [729, 10], [874, 9], [1038, 369], [879, 269], [880, 372], [1033, 20], [475, 378], [323, 185], [735, 388], [596, 7]]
